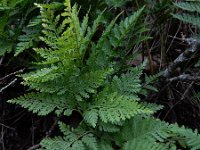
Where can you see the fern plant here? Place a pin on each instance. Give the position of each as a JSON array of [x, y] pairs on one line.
[[19, 27], [189, 17], [68, 73], [82, 75]]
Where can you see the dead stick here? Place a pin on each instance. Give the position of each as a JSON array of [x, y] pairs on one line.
[[14, 73], [47, 135], [185, 77], [194, 46]]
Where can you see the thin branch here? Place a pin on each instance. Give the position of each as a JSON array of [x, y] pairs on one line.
[[1, 124], [194, 46], [9, 84], [185, 77], [187, 90], [34, 147], [14, 73]]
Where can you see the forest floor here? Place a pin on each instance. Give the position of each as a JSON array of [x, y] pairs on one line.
[[19, 129]]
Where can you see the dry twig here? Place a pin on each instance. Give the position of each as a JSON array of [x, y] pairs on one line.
[[185, 77], [194, 46], [47, 135]]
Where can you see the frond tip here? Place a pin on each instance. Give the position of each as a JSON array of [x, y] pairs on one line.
[[188, 16], [40, 103]]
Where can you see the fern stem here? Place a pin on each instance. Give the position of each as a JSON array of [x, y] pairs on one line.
[[80, 136]]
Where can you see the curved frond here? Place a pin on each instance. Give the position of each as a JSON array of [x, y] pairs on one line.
[[41, 103]]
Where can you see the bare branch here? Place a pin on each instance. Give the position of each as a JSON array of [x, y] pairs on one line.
[[34, 147], [14, 73], [194, 46], [185, 77], [8, 85]]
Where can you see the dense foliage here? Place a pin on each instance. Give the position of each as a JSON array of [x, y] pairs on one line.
[[82, 72]]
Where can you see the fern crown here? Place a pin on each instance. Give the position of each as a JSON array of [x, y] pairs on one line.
[[76, 73]]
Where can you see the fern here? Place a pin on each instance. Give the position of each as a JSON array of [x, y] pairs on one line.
[[37, 103], [193, 19], [76, 73], [120, 31], [77, 83], [137, 133], [149, 80], [189, 6], [79, 139], [140, 145], [15, 14], [113, 108], [156, 134], [189, 138], [32, 32], [71, 140], [188, 17], [6, 46]]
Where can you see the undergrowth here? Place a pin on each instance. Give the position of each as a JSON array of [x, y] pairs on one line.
[[190, 14], [75, 73]]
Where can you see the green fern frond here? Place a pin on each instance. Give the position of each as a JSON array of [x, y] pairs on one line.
[[111, 39], [7, 5], [77, 36], [90, 142], [90, 33], [52, 80], [152, 129], [82, 140], [139, 133], [58, 143], [104, 145], [156, 132], [189, 137], [151, 78], [152, 106], [6, 46], [148, 85], [32, 32], [189, 6], [113, 108], [51, 28], [14, 17], [57, 86], [119, 32], [141, 145], [107, 127], [189, 18], [196, 95], [88, 83], [40, 103], [129, 83], [43, 75], [70, 142]]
